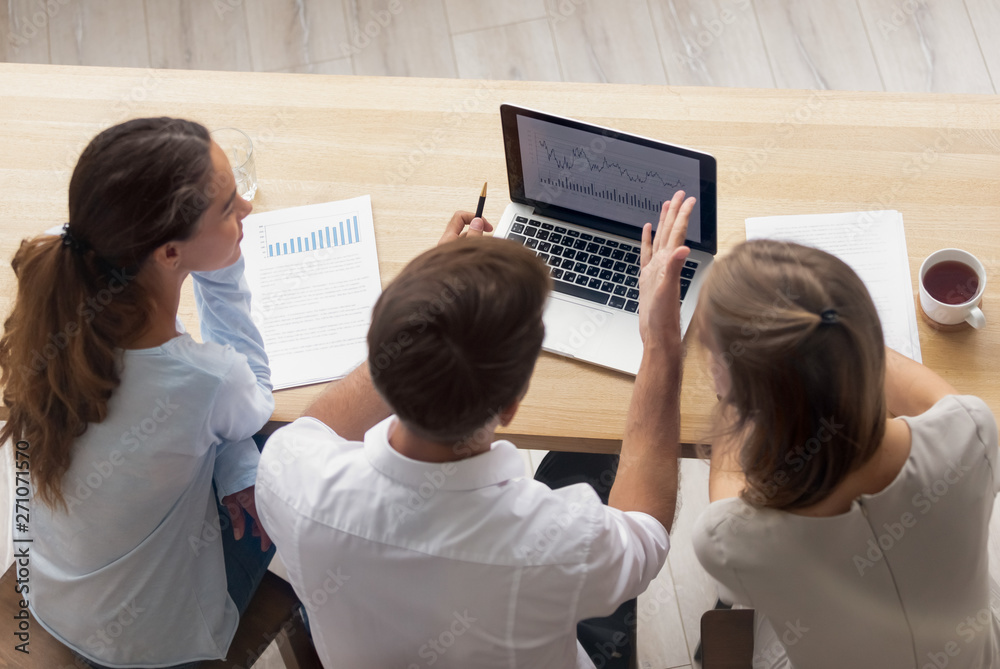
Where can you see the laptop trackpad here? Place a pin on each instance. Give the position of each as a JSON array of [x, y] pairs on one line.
[[602, 337]]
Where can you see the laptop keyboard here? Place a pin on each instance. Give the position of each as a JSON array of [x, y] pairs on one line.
[[589, 266]]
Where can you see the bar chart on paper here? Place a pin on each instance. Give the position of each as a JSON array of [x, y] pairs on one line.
[[313, 274], [302, 236]]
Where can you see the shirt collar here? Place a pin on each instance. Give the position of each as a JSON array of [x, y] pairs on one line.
[[501, 463]]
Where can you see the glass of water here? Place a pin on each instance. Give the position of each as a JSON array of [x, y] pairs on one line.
[[239, 149]]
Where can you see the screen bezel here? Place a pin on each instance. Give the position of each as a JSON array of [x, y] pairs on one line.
[[512, 149]]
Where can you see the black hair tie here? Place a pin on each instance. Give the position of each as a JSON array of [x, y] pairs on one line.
[[79, 247], [829, 317], [75, 245]]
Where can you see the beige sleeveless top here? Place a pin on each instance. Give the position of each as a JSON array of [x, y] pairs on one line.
[[900, 580]]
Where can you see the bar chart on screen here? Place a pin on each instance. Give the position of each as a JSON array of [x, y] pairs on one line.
[[305, 235]]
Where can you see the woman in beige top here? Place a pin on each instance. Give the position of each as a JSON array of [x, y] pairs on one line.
[[860, 539]]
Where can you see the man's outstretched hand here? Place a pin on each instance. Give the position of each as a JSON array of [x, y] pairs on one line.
[[661, 261]]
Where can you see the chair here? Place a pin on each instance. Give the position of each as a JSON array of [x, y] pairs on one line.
[[727, 639], [273, 613]]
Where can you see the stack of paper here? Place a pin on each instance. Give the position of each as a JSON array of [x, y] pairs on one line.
[[313, 273], [874, 245]]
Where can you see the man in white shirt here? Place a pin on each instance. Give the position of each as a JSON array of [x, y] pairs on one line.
[[415, 540]]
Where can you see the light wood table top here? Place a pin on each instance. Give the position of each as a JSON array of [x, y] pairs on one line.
[[423, 147]]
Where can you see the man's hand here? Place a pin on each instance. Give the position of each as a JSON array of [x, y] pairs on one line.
[[661, 262], [456, 227], [236, 504]]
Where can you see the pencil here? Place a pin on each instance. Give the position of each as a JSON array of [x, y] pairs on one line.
[[482, 202]]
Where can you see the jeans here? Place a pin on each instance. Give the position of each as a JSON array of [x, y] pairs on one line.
[[608, 640], [246, 563]]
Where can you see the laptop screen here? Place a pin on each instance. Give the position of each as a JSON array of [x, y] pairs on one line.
[[604, 178]]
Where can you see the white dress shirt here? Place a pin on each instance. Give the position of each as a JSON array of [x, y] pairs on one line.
[[131, 574], [411, 564]]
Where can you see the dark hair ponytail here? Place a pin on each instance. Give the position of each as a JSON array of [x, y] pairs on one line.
[[80, 297]]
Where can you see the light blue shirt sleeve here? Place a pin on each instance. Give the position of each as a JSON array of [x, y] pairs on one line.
[[223, 300], [235, 466]]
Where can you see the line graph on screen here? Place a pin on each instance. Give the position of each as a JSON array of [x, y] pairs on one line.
[[603, 175]]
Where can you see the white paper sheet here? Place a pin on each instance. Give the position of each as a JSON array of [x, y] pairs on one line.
[[313, 272], [874, 245]]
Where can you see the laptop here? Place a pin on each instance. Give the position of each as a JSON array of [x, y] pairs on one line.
[[580, 194]]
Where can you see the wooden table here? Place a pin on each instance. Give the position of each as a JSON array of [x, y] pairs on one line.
[[423, 147]]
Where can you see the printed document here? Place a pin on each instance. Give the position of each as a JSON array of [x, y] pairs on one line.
[[313, 273], [874, 245]]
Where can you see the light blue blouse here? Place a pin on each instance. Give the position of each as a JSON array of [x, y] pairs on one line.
[[132, 572]]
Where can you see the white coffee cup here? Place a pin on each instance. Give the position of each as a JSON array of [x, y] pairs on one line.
[[953, 314]]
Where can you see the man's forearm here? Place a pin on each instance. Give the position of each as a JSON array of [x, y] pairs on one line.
[[647, 472], [351, 406]]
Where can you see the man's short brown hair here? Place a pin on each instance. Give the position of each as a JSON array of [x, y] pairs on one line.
[[454, 338]]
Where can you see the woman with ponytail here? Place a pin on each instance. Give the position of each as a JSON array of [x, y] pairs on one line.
[[851, 487], [142, 462]]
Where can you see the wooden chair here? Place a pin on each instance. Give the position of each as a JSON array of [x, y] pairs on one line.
[[273, 614], [727, 639]]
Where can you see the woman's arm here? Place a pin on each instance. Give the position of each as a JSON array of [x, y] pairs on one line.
[[725, 477], [223, 301], [911, 388]]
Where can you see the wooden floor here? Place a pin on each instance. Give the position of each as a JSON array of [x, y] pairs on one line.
[[946, 46]]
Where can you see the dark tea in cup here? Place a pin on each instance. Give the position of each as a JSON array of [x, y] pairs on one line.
[[951, 282]]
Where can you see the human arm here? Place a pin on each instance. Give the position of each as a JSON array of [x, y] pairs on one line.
[[725, 476], [223, 301], [647, 471], [911, 388], [628, 551], [352, 406], [718, 538]]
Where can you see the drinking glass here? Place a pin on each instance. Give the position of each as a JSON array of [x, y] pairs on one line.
[[239, 149]]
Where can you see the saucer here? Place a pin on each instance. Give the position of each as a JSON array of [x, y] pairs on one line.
[[941, 327]]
